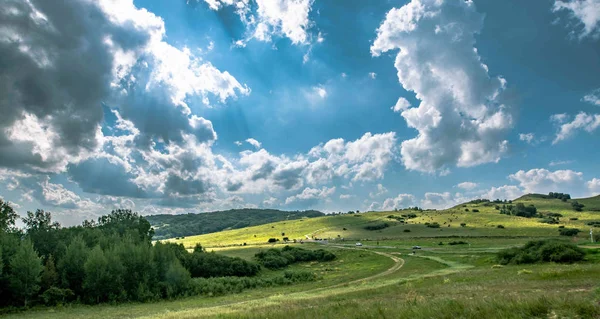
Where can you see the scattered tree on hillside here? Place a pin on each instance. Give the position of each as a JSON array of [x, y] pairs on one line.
[[577, 206], [8, 217]]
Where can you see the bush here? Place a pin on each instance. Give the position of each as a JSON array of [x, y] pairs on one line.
[[460, 242], [463, 224], [406, 230], [377, 226], [569, 231], [573, 218], [272, 240], [500, 226], [549, 220], [542, 251], [466, 209], [54, 296], [433, 225], [577, 206], [475, 210], [281, 258], [593, 224]]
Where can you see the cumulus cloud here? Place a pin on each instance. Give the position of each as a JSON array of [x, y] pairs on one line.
[[539, 180], [380, 191], [593, 97], [594, 186], [508, 192], [253, 142], [467, 185], [461, 118], [346, 196], [438, 200], [398, 202], [529, 138], [401, 105], [280, 18], [586, 14], [582, 121], [363, 159], [373, 75], [311, 196], [51, 97]]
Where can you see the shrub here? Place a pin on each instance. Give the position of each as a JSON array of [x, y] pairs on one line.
[[281, 258], [377, 226], [573, 218], [593, 224], [272, 240], [500, 226], [433, 225], [542, 251], [406, 230], [460, 242], [561, 226], [549, 220], [463, 224], [569, 231], [54, 296], [475, 210], [466, 209], [577, 206]]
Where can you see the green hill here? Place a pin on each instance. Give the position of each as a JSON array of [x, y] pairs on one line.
[[172, 226], [480, 218]]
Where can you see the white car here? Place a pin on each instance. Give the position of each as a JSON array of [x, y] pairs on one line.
[[358, 244]]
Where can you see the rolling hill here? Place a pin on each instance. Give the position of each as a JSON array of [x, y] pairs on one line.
[[480, 219], [172, 226]]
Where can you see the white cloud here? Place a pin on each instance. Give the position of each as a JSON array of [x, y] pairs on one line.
[[529, 138], [320, 91], [288, 18], [253, 142], [438, 200], [539, 180], [586, 12], [593, 97], [380, 191], [373, 75], [363, 159], [467, 185], [400, 201], [509, 192], [270, 202], [582, 121], [556, 163], [346, 196], [594, 186], [559, 118], [311, 196], [238, 143], [461, 119], [401, 105]]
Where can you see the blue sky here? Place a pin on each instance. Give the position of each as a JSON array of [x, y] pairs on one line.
[[193, 106]]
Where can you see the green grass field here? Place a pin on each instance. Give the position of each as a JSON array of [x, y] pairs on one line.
[[383, 279]]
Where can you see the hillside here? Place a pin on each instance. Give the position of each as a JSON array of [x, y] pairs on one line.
[[171, 226], [480, 219]]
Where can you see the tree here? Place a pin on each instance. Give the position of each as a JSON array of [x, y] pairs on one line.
[[25, 269], [40, 220], [49, 274], [103, 276], [177, 280], [198, 248], [71, 266], [577, 206], [8, 217]]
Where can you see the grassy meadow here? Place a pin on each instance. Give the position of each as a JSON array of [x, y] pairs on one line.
[[384, 279]]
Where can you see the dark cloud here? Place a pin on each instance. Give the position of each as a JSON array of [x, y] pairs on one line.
[[56, 66], [100, 176]]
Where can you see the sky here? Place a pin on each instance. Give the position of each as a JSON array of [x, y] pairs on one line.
[[170, 107]]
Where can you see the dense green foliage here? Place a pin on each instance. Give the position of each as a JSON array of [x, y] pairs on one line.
[[377, 226], [542, 251], [577, 206], [281, 258], [171, 226], [561, 196], [569, 231], [108, 260], [519, 209]]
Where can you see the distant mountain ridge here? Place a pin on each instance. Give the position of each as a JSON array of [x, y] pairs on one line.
[[171, 226]]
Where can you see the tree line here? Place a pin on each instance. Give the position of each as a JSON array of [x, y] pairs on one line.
[[108, 260]]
